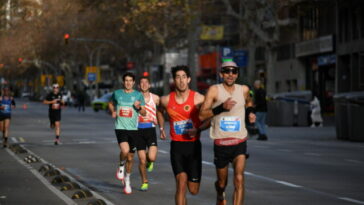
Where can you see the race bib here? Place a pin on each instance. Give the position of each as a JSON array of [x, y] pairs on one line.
[[230, 124], [181, 127], [6, 108], [126, 112]]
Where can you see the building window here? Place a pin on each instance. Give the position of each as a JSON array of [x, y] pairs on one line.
[[284, 52], [309, 23]]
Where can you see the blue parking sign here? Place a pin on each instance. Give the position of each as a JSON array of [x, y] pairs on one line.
[[241, 58], [91, 76]]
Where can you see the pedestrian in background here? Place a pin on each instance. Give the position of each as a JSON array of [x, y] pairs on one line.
[[260, 109], [55, 102], [316, 112], [7, 103], [81, 96]]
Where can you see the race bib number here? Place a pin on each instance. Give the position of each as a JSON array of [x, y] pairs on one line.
[[126, 112], [230, 124], [56, 106], [181, 127], [6, 108]]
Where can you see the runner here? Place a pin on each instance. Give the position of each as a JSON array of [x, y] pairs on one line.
[[226, 103], [182, 106], [124, 106], [54, 100], [147, 137], [7, 103]]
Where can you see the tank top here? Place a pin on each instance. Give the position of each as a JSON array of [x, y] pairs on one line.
[[150, 119], [229, 124], [6, 102], [182, 117]]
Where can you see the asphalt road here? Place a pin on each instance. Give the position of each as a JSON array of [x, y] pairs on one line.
[[295, 166]]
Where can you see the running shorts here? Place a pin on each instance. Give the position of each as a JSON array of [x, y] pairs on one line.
[[187, 157], [54, 115], [225, 154], [145, 137], [127, 136]]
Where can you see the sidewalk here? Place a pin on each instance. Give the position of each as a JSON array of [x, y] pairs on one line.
[[18, 185]]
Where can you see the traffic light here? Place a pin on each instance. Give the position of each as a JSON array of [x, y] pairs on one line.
[[145, 74], [20, 60], [66, 36]]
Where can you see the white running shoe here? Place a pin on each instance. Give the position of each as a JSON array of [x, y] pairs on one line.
[[120, 173], [127, 188]]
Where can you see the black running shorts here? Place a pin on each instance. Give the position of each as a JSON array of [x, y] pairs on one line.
[[4, 117], [186, 157], [127, 136], [146, 137], [54, 115], [225, 154]]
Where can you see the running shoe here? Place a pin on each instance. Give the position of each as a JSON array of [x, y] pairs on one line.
[[120, 173], [56, 141], [144, 187], [127, 188], [150, 166], [221, 200]]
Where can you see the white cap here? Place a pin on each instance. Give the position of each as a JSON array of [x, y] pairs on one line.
[[229, 64]]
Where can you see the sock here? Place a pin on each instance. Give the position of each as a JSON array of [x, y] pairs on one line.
[[127, 177], [122, 163], [57, 137]]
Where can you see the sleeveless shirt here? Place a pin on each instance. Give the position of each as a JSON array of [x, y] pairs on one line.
[[182, 117], [229, 124], [150, 119]]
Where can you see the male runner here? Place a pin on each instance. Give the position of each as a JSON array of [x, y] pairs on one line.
[[124, 106], [54, 100], [7, 103], [226, 104], [147, 137], [182, 107]]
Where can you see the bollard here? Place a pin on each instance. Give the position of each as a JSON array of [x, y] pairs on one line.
[[82, 194], [97, 202], [69, 186], [51, 173], [60, 179]]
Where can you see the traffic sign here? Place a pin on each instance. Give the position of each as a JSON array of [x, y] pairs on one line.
[[241, 58]]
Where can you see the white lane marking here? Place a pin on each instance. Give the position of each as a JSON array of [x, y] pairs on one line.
[[87, 142], [288, 184], [14, 140], [312, 154], [162, 151], [2, 197], [57, 192], [354, 161], [351, 200], [97, 195], [207, 163]]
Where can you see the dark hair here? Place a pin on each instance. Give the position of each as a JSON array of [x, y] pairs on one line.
[[130, 75], [144, 77], [177, 68]]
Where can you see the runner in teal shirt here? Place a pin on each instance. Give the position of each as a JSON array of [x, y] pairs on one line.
[[125, 105], [127, 115]]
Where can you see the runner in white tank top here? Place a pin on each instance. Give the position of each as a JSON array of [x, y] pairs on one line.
[[226, 104]]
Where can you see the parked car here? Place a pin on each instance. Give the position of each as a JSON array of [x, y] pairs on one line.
[[101, 103]]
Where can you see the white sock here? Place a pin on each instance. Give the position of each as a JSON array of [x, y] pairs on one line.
[[127, 177]]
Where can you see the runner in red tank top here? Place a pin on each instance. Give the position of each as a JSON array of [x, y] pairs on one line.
[[182, 106]]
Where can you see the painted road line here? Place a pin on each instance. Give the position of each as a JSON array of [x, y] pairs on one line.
[[57, 192], [207, 163], [162, 151], [312, 154], [353, 161], [351, 200], [288, 184], [14, 139], [97, 195]]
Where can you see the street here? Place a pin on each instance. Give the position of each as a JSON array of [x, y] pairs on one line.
[[297, 165]]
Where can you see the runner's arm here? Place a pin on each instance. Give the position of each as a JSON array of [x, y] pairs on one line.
[[160, 115], [206, 107], [111, 107], [249, 105]]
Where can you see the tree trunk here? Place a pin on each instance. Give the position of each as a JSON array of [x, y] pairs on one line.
[[193, 35]]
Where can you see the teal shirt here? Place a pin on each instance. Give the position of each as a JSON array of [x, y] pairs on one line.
[[127, 115]]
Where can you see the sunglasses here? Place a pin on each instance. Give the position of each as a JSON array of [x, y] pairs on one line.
[[55, 87], [228, 70]]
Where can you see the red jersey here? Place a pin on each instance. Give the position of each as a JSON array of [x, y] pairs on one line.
[[182, 117]]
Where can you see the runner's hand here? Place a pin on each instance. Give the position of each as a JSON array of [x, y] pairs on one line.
[[252, 117], [229, 104], [192, 132], [113, 114], [163, 135], [137, 105]]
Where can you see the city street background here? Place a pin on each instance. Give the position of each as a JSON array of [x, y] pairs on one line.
[[297, 165]]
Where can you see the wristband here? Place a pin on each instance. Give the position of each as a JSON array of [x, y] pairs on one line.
[[137, 109], [219, 109], [250, 110]]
